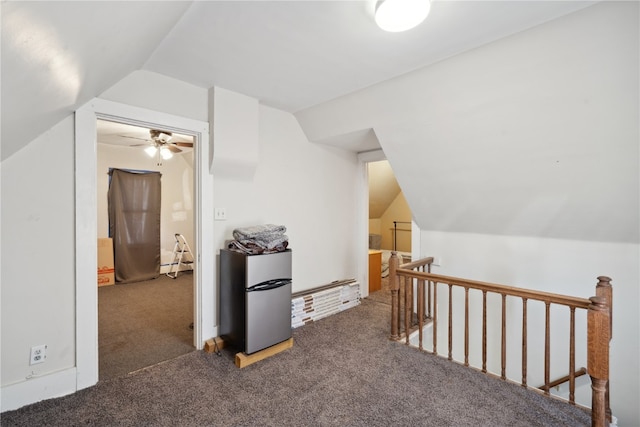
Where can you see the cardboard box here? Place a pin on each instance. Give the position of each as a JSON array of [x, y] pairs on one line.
[[106, 271]]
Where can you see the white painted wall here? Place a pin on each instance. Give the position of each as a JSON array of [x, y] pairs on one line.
[[236, 146], [156, 92], [38, 286], [309, 188], [551, 265], [177, 196]]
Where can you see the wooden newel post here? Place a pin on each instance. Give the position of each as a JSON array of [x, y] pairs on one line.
[[599, 332], [394, 287], [605, 290]]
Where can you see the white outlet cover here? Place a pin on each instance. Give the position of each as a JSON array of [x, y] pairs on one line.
[[38, 354]]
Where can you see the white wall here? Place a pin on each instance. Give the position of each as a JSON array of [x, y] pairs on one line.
[[177, 192], [309, 188], [558, 266], [160, 93], [38, 286]]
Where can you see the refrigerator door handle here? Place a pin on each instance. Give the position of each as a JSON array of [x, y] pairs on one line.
[[269, 284]]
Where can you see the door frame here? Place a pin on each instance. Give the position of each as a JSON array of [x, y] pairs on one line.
[[86, 224], [364, 159]]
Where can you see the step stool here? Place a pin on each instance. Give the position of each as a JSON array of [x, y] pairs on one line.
[[182, 255]]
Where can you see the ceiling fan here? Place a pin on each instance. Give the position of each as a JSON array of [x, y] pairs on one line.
[[162, 143]]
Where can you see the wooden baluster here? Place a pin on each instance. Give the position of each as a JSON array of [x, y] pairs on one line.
[[407, 315], [450, 321], [599, 334], [503, 358], [429, 293], [547, 348], [420, 311], [605, 290], [410, 301], [408, 310], [435, 318], [466, 326], [572, 356], [524, 342], [400, 304], [393, 285], [484, 331]]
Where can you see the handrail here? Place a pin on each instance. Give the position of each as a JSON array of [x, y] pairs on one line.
[[580, 372], [599, 313], [499, 289]]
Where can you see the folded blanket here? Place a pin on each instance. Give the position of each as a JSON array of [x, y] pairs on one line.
[[253, 249], [267, 238], [264, 232]]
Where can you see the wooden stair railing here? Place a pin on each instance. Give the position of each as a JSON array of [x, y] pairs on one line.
[[599, 326], [580, 372]]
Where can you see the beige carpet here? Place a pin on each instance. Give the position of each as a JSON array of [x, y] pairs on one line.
[[144, 323]]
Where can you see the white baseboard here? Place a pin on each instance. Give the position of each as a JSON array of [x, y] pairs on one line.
[[164, 269], [34, 390]]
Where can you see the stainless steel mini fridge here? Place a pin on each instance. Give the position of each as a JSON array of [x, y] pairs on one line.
[[255, 299]]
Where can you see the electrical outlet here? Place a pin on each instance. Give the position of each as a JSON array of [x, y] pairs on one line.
[[437, 261], [38, 354], [219, 214]]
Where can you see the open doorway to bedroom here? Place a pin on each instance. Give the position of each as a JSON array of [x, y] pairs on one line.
[[144, 315], [389, 226]]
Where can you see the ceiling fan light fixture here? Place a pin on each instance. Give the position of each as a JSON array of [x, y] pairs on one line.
[[151, 151], [166, 153], [401, 15]]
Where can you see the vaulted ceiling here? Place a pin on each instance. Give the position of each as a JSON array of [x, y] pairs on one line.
[[57, 55], [480, 112]]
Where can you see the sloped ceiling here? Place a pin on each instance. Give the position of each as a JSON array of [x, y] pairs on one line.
[[532, 135], [481, 110], [291, 55], [383, 188], [56, 56]]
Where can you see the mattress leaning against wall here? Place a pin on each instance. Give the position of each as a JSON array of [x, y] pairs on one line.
[[315, 304]]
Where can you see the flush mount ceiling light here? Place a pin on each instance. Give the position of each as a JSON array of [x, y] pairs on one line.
[[401, 15]]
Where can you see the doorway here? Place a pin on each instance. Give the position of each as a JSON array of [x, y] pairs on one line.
[[87, 225], [141, 308], [389, 223]]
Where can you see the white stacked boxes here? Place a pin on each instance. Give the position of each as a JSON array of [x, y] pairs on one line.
[[316, 304]]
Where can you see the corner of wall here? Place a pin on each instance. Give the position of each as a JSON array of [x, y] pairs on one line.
[[234, 128]]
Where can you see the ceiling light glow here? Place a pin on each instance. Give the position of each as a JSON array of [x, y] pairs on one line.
[[151, 151], [166, 153], [401, 15]]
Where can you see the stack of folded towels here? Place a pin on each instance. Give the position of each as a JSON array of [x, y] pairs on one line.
[[259, 239]]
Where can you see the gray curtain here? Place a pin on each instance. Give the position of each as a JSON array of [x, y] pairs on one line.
[[134, 224]]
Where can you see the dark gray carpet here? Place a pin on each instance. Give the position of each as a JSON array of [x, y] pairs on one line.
[[144, 323], [341, 371]]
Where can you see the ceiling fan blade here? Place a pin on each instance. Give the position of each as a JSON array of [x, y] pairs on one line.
[[173, 148], [183, 144], [134, 137]]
